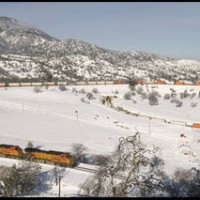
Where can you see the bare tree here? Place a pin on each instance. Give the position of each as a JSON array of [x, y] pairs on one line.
[[153, 100], [127, 96], [132, 170], [102, 160], [62, 87], [78, 150], [21, 180], [132, 84], [184, 183]]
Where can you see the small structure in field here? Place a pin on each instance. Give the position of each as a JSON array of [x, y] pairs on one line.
[[107, 100]]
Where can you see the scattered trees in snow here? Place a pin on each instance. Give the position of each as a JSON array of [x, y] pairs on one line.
[[134, 101], [193, 104], [193, 95], [78, 150], [95, 90], [140, 90], [166, 96], [177, 102], [62, 87], [21, 180], [37, 89], [127, 96], [184, 94], [82, 91], [132, 84], [184, 183], [84, 100], [116, 92], [90, 96], [153, 100], [144, 96], [74, 90]]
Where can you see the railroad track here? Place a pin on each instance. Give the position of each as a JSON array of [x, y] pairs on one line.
[[84, 169], [174, 122], [95, 171]]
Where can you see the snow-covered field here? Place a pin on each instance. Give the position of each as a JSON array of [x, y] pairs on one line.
[[50, 121]]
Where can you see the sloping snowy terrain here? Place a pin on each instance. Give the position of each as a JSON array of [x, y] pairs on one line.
[[27, 53], [49, 120]]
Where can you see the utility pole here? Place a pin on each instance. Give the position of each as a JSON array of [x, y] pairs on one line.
[[56, 175], [149, 124], [76, 114], [59, 180]]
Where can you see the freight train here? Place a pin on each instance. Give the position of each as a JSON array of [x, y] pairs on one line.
[[46, 84], [28, 84], [34, 154]]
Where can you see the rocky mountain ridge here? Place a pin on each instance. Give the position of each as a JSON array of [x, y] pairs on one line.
[[29, 54]]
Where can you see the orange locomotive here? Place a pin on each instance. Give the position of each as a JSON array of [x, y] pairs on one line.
[[53, 157], [11, 151]]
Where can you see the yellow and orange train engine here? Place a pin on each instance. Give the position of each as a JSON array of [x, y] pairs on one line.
[[11, 151], [51, 157]]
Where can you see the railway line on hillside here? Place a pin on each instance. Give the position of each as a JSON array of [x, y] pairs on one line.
[[169, 121], [107, 82], [65, 83]]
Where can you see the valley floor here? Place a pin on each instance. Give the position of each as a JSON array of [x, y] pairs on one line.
[[54, 120]]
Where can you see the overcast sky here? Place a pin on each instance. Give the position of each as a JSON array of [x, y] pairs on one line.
[[168, 29]]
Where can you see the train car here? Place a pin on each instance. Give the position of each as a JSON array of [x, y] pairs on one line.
[[50, 84], [14, 84], [119, 82], [11, 151], [81, 83], [92, 83], [2, 84], [197, 83], [26, 84], [195, 125], [36, 84], [141, 82], [109, 82], [62, 83], [53, 157], [149, 83], [160, 82], [179, 83], [100, 83]]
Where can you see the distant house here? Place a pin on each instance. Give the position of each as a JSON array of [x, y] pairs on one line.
[[107, 100]]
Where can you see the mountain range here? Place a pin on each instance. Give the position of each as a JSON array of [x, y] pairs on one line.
[[29, 54]]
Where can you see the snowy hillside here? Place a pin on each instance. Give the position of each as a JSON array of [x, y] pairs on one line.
[[27, 53], [49, 120]]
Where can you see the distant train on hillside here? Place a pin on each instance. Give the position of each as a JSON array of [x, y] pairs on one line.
[[26, 84], [51, 157], [66, 83]]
